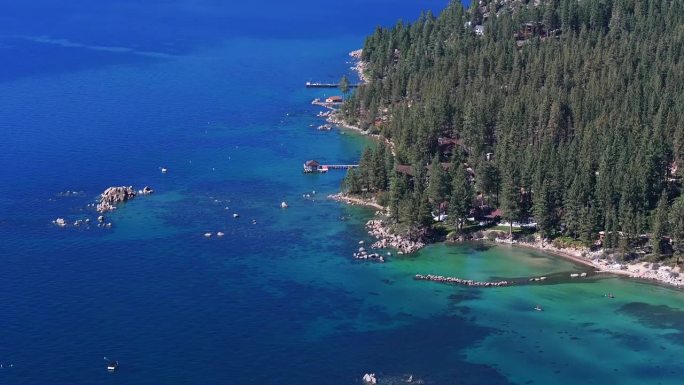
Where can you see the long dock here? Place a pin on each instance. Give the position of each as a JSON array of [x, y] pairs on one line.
[[314, 166], [327, 85], [339, 166]]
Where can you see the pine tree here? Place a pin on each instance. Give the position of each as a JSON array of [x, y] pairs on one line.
[[461, 196], [602, 135], [365, 170], [659, 226], [543, 210], [611, 236], [352, 181], [438, 187], [510, 201], [344, 85], [676, 222]]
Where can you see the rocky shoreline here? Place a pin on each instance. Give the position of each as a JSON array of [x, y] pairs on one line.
[[379, 229], [403, 243], [361, 66], [354, 201]]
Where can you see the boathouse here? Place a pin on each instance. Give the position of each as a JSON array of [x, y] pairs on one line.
[[312, 166], [334, 99]]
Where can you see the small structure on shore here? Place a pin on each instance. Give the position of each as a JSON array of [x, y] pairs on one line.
[[334, 99], [312, 166]]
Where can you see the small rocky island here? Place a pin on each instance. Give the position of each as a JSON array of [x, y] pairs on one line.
[[114, 195]]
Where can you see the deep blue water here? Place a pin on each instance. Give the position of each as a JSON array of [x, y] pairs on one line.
[[95, 94]]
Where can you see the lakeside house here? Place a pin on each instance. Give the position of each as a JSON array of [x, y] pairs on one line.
[[493, 216], [447, 145], [334, 99]]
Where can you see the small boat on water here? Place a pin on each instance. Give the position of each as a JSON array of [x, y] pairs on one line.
[[538, 308], [112, 365]]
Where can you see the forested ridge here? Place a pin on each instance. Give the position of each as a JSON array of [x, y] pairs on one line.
[[567, 112]]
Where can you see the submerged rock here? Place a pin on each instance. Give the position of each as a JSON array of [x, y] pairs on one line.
[[147, 190]]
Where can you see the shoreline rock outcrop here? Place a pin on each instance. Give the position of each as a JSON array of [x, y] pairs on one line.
[[378, 229]]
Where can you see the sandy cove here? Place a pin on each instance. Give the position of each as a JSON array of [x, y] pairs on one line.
[[640, 270]]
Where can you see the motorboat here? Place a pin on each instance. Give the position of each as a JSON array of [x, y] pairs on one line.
[[112, 365]]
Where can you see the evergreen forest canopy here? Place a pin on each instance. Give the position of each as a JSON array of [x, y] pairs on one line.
[[568, 112]]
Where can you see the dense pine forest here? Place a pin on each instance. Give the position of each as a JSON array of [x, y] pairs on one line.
[[566, 113]]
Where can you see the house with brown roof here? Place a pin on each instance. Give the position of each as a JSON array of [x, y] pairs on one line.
[[334, 99], [311, 166]]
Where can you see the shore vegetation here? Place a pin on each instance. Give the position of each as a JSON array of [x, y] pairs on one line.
[[560, 114]]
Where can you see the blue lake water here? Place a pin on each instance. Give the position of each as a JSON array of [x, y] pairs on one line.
[[95, 94]]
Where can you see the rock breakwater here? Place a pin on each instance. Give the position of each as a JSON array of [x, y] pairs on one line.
[[460, 281]]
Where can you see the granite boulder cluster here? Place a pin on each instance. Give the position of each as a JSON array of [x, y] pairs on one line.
[[405, 245], [115, 195]]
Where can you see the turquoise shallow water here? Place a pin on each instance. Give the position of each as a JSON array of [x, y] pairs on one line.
[[278, 302]]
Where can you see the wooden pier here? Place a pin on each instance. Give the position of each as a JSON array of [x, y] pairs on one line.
[[327, 85], [340, 166], [313, 166]]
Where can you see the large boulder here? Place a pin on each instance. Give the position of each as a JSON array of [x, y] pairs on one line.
[[114, 195]]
